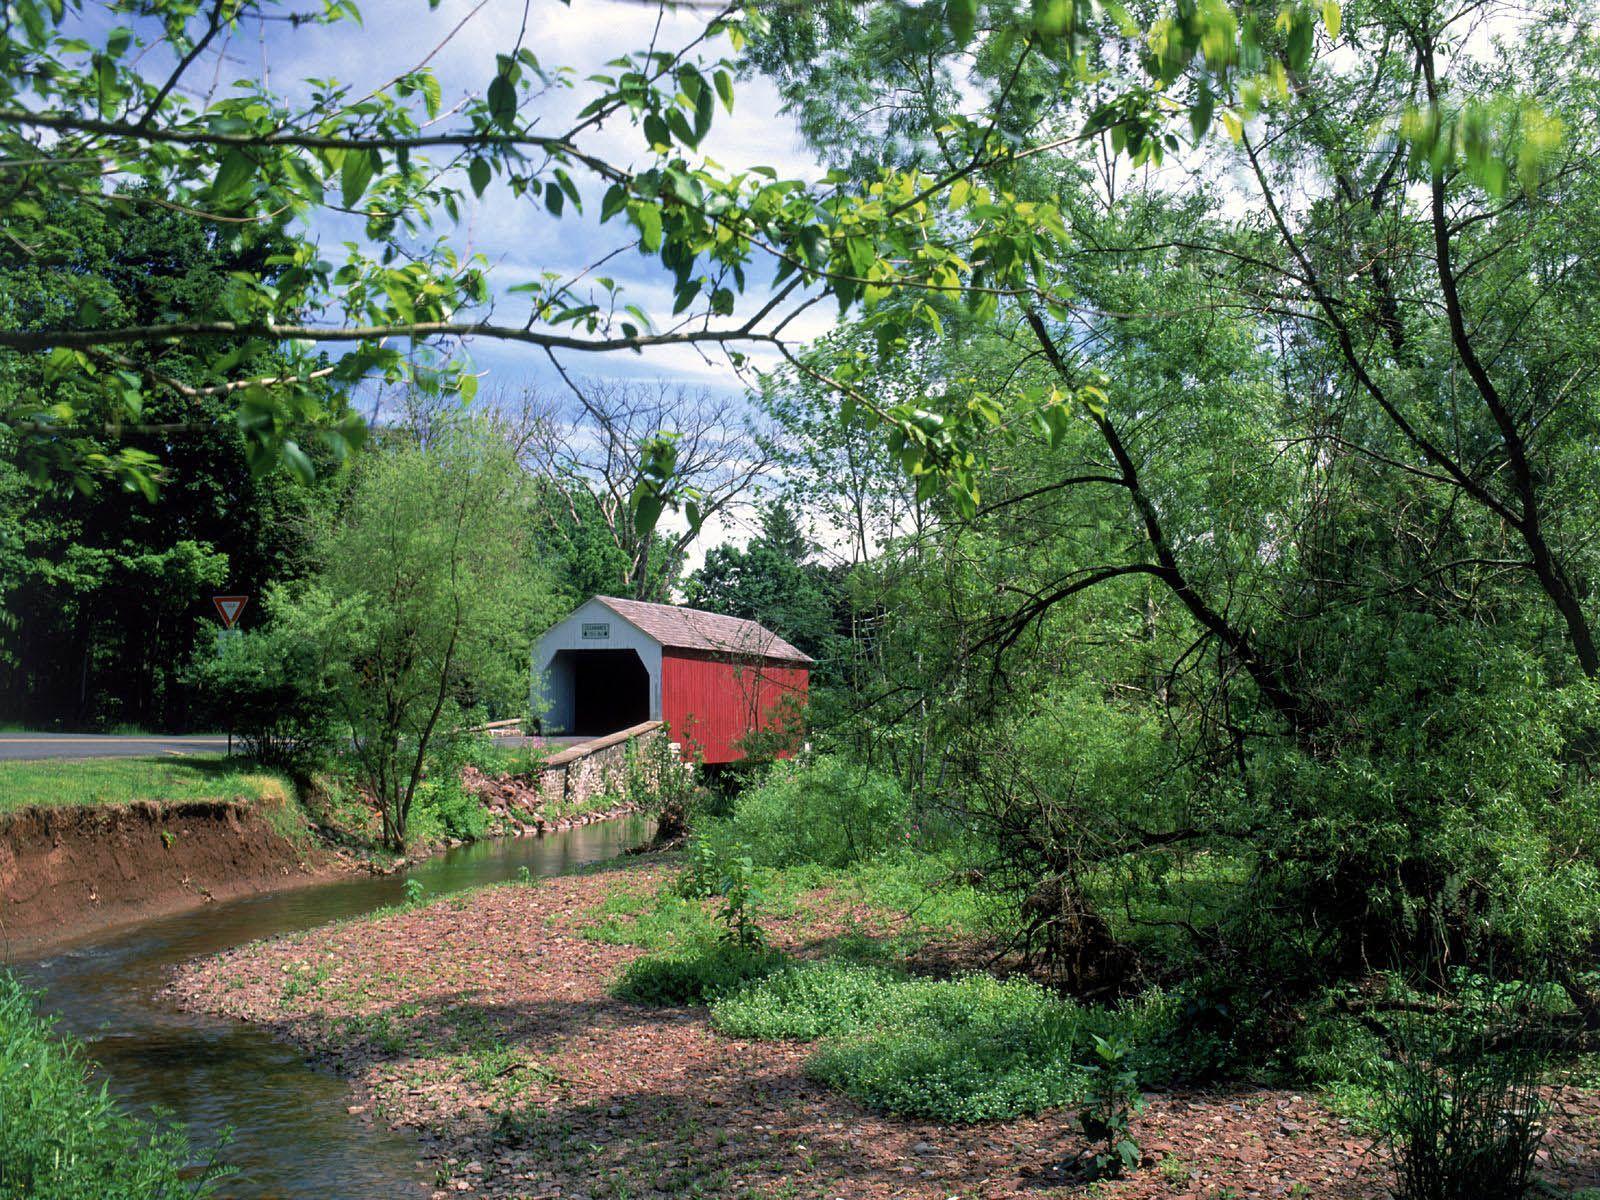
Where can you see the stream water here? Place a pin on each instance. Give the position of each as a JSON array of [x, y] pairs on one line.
[[292, 1136]]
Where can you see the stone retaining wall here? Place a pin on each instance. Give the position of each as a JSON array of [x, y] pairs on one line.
[[599, 767]]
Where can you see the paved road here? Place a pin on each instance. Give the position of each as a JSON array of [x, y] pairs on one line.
[[97, 745], [557, 741], [102, 745]]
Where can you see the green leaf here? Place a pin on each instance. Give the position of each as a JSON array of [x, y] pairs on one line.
[[478, 175], [648, 218], [655, 130], [356, 173], [503, 100], [1200, 113], [109, 87], [298, 462], [705, 107], [962, 18], [646, 512], [724, 82], [616, 198], [679, 124], [1332, 17], [233, 175]]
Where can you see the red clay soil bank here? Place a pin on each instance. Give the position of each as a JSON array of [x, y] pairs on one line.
[[65, 871]]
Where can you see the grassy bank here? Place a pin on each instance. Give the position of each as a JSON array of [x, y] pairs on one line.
[[61, 1135], [60, 782]]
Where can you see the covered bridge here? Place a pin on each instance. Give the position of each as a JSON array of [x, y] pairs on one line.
[[714, 679]]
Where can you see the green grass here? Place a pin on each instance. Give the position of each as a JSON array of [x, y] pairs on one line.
[[61, 1136], [695, 974], [912, 894], [974, 1048], [61, 783]]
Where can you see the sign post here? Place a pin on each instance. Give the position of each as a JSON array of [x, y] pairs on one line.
[[228, 608]]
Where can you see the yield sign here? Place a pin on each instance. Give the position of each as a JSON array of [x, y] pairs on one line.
[[229, 608]]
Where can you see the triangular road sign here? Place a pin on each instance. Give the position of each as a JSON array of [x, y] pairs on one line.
[[229, 608]]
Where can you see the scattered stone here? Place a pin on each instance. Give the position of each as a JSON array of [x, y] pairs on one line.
[[616, 1099]]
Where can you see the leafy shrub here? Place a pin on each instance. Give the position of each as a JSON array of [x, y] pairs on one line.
[[978, 1050], [443, 805], [974, 1048], [63, 1138], [695, 974], [269, 687], [1445, 827], [825, 811], [810, 1001]]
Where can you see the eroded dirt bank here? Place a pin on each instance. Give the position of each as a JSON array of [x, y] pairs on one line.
[[67, 871]]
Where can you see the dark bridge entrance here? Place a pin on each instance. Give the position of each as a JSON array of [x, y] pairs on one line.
[[610, 690]]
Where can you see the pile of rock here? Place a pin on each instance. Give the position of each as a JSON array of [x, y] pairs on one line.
[[519, 808]]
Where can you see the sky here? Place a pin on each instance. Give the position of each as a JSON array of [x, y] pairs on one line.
[[518, 237]]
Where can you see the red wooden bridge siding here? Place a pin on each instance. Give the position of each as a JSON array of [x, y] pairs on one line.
[[712, 701]]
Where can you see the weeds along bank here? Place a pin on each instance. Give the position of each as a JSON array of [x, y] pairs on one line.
[[820, 995], [63, 1138]]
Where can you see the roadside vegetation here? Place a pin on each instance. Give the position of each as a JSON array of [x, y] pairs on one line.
[[163, 779]]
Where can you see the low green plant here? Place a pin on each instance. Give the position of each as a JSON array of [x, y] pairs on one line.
[[413, 891], [969, 1049], [972, 1048], [653, 920], [808, 1001], [1108, 1111], [695, 974], [741, 900], [62, 1137]]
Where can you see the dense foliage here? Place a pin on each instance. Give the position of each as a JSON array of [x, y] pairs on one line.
[[104, 591]]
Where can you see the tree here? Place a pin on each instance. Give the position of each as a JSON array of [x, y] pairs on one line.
[[773, 581], [1300, 494], [244, 158], [589, 457], [425, 605], [105, 597]]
